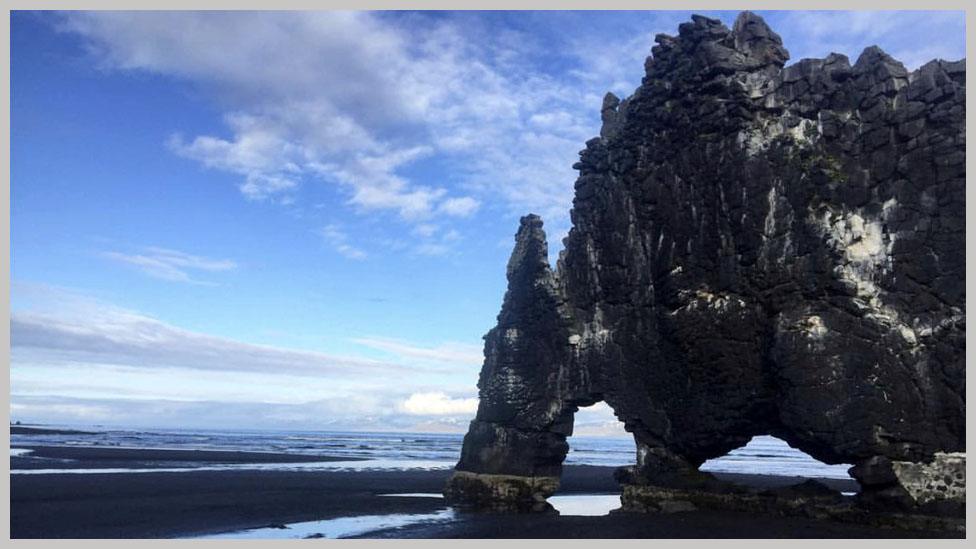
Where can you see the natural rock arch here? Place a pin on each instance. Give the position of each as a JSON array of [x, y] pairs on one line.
[[755, 250]]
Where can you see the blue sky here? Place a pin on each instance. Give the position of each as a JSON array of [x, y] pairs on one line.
[[301, 220]]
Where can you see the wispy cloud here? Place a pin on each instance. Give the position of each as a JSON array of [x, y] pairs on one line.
[[171, 265], [933, 34], [92, 333], [463, 354], [339, 240]]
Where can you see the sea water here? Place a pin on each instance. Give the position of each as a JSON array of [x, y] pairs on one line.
[[383, 451], [388, 451]]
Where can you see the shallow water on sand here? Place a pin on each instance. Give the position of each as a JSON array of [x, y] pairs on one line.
[[568, 505], [589, 505], [337, 527], [580, 505]]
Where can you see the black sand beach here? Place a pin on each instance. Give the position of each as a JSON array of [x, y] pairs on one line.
[[186, 504]]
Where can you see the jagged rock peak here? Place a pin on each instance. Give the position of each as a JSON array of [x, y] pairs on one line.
[[874, 59], [531, 254], [707, 44], [752, 36]]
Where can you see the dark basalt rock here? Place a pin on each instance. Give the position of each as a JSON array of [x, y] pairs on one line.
[[755, 250]]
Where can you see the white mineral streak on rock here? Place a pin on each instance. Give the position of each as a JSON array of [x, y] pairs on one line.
[[814, 327], [926, 329], [755, 84], [769, 226], [866, 249], [642, 453], [708, 299], [757, 139], [595, 333], [773, 198]]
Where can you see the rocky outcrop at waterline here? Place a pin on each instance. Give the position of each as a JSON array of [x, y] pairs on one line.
[[756, 249]]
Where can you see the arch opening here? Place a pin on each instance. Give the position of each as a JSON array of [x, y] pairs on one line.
[[598, 444], [771, 460]]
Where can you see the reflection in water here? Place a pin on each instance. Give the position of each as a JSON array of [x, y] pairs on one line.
[[579, 505], [568, 505], [585, 505], [337, 527]]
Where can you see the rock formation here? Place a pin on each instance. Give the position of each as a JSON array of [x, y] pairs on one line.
[[756, 249]]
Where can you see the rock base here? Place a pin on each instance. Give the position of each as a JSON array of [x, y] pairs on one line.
[[503, 493], [809, 499]]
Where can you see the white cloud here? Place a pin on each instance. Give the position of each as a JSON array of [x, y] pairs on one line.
[[354, 98], [463, 354], [171, 265], [459, 207], [343, 96], [439, 404], [340, 241]]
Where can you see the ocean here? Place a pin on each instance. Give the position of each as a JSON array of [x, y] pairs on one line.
[[369, 450]]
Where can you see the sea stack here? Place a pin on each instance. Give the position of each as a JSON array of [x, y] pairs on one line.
[[756, 249]]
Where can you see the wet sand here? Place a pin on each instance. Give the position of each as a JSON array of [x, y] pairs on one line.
[[185, 504]]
